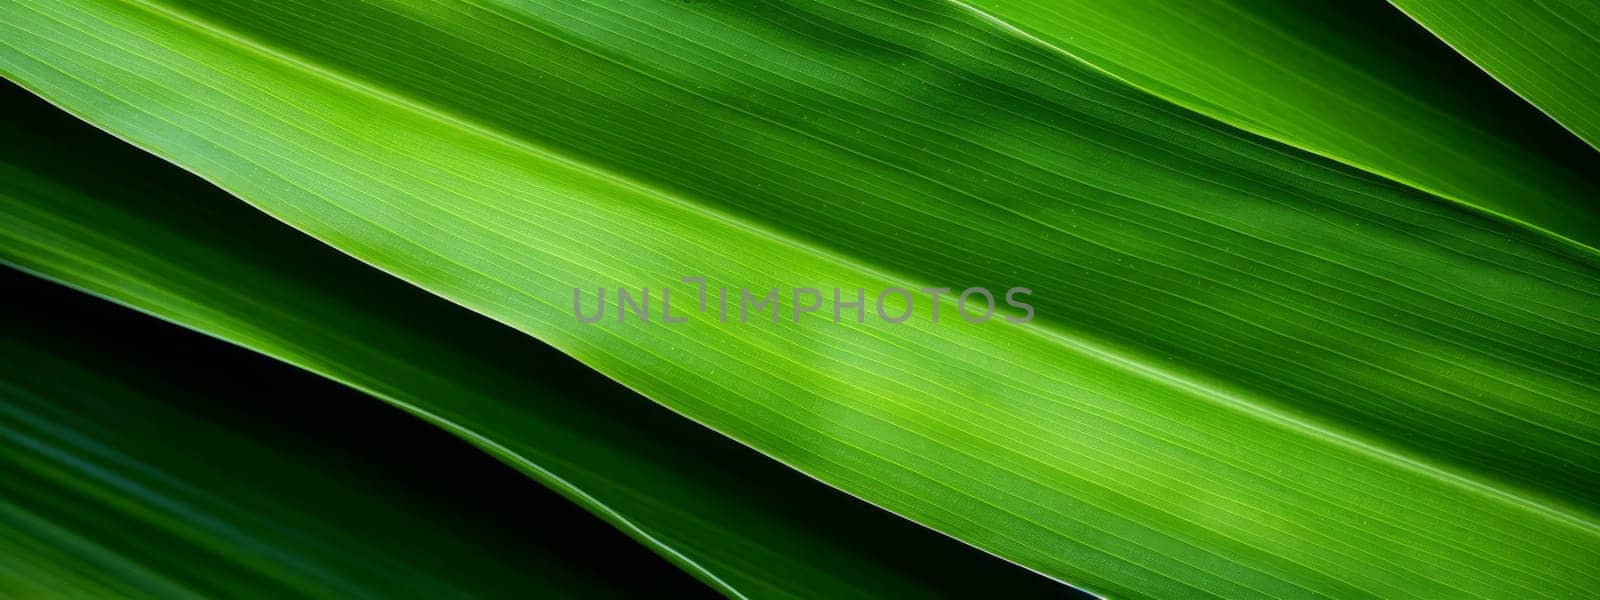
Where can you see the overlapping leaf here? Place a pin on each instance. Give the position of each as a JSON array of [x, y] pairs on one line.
[[147, 235], [1543, 49], [127, 474], [1355, 81], [1397, 394]]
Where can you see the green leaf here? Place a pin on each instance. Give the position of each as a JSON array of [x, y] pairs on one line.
[[1544, 50], [1354, 81], [1253, 371], [163, 243], [133, 472], [147, 235]]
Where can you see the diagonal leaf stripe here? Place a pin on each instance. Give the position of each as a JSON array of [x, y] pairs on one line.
[[1357, 82], [1397, 395], [130, 475], [147, 235]]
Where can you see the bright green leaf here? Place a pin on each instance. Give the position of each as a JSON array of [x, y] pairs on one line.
[[1253, 371], [145, 234]]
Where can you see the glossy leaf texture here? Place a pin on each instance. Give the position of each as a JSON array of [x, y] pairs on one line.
[[145, 234], [1542, 49], [1356, 81], [1254, 371], [129, 472]]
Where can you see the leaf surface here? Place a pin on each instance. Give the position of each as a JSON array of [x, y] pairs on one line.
[[1253, 371], [145, 234], [1354, 81]]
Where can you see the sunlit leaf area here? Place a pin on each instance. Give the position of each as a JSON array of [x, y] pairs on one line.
[[800, 299]]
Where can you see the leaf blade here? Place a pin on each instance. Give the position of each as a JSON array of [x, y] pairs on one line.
[[1072, 436], [1541, 50], [148, 236], [1352, 82]]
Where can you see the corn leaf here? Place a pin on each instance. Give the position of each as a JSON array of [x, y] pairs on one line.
[[1253, 371], [145, 234]]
